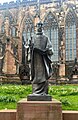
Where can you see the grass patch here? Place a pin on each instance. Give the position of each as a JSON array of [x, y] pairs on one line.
[[67, 94], [11, 94]]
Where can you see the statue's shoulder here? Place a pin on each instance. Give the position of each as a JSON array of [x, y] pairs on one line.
[[45, 36], [34, 36]]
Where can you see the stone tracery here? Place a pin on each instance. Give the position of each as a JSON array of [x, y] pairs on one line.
[[57, 18]]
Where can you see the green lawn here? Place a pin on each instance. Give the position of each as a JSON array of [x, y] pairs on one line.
[[67, 94], [11, 94]]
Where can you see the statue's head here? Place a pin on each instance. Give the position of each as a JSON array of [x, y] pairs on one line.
[[39, 27], [8, 39]]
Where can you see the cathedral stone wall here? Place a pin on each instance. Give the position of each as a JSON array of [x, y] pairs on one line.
[[19, 20]]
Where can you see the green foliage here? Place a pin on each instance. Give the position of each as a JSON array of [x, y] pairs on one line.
[[15, 89], [11, 94], [63, 90], [65, 102], [7, 99], [67, 94]]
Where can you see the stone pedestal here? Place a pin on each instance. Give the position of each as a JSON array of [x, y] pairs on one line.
[[39, 110]]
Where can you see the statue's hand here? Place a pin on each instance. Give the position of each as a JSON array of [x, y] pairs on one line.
[[42, 52], [49, 51], [31, 46], [46, 51]]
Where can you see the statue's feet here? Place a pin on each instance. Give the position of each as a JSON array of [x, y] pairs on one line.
[[38, 94], [39, 97]]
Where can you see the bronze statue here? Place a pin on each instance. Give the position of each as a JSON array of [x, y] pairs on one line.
[[41, 63]]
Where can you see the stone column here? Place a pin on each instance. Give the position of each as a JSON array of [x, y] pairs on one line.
[[7, 26], [19, 33], [62, 52], [77, 41], [20, 47], [0, 23]]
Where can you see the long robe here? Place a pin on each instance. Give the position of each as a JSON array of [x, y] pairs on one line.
[[41, 62]]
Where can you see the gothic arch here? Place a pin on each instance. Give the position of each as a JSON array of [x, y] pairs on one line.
[[27, 24], [27, 30], [70, 14], [50, 26], [70, 35], [14, 13], [8, 14], [51, 19], [28, 19]]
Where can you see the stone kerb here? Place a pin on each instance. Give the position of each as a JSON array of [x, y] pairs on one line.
[[7, 114], [70, 115], [11, 115]]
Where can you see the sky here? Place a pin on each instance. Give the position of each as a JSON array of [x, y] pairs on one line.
[[2, 1]]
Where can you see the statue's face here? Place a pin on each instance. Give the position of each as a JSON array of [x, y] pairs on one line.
[[39, 27]]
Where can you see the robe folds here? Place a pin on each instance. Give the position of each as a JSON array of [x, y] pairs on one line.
[[41, 59]]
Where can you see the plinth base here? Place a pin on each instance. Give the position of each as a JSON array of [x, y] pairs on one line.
[[33, 97], [39, 110]]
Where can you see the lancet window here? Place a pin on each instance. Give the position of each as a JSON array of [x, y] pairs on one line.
[[70, 28], [51, 30], [27, 34], [2, 29], [28, 31], [13, 32]]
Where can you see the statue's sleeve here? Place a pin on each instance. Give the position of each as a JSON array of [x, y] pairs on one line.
[[49, 47]]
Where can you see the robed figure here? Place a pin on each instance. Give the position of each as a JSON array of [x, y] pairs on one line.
[[41, 62]]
